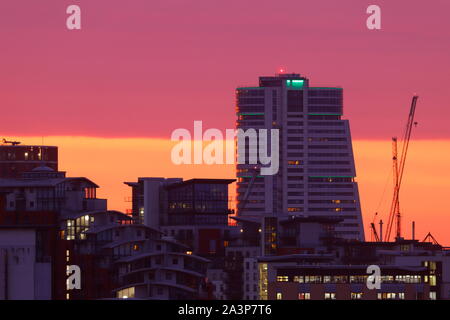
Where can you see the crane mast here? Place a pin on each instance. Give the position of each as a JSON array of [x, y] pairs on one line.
[[398, 169], [244, 200]]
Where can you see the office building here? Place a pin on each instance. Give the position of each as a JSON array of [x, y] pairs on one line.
[[317, 174]]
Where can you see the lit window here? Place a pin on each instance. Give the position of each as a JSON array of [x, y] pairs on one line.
[[304, 296], [282, 278], [330, 296], [125, 293], [279, 296], [356, 295]]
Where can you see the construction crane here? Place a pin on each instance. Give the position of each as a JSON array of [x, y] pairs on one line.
[[398, 166], [244, 200], [374, 233], [429, 238]]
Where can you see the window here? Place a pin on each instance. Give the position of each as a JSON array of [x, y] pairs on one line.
[[330, 296], [282, 278], [386, 296], [313, 279], [304, 296], [125, 293], [356, 295], [279, 296], [432, 280]]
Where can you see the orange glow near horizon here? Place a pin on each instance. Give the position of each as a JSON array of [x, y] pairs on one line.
[[111, 161]]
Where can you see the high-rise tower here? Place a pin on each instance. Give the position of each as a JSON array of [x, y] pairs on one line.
[[317, 172]]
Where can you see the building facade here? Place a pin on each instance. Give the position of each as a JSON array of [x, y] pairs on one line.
[[195, 211], [52, 225], [409, 270], [16, 159], [317, 171]]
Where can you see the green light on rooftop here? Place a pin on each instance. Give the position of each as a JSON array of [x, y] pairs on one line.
[[249, 88], [326, 88], [251, 114], [295, 84]]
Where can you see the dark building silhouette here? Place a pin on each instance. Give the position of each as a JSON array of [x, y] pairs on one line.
[[194, 211], [15, 159], [50, 222]]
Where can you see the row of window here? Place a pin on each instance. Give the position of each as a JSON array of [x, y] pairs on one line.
[[354, 279], [355, 296]]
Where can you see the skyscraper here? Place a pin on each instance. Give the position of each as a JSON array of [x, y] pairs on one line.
[[317, 172]]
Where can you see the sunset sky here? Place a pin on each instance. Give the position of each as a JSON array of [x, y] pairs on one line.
[[111, 94]]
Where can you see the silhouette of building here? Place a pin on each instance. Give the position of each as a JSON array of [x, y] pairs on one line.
[[50, 222], [312, 261], [16, 159], [409, 270], [316, 175], [124, 260], [194, 211]]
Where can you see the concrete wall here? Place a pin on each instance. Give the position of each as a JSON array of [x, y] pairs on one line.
[[20, 276]]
